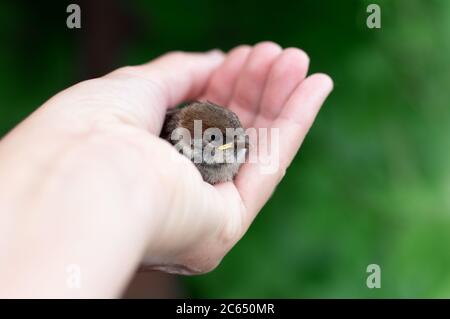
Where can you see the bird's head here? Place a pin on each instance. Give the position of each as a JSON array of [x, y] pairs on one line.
[[216, 134]]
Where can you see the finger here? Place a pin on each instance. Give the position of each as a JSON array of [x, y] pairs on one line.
[[223, 213], [287, 72], [256, 181], [251, 81], [222, 83], [299, 113]]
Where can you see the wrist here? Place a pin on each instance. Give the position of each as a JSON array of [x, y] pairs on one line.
[[85, 200]]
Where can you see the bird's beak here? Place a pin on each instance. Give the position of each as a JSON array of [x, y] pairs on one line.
[[225, 146]]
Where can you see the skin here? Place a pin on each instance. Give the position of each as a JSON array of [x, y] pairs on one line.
[[86, 181]]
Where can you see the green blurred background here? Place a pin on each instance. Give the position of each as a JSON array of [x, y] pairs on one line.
[[370, 185]]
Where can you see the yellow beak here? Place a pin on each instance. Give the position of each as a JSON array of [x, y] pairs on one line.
[[225, 146]]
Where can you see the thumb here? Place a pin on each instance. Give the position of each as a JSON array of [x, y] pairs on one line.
[[175, 76], [181, 75], [165, 82]]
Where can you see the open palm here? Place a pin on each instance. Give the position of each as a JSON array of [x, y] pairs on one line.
[[264, 85]]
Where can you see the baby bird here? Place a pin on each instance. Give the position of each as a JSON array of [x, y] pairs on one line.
[[211, 136]]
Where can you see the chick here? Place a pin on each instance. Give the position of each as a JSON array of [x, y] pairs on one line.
[[211, 136]]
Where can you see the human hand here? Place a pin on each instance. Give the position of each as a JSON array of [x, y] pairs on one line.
[[87, 172], [266, 87]]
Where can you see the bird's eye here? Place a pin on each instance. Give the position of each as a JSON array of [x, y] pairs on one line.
[[213, 137]]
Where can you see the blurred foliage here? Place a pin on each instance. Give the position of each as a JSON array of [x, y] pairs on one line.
[[372, 181]]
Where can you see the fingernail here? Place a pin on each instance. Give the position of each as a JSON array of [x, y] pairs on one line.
[[215, 52]]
